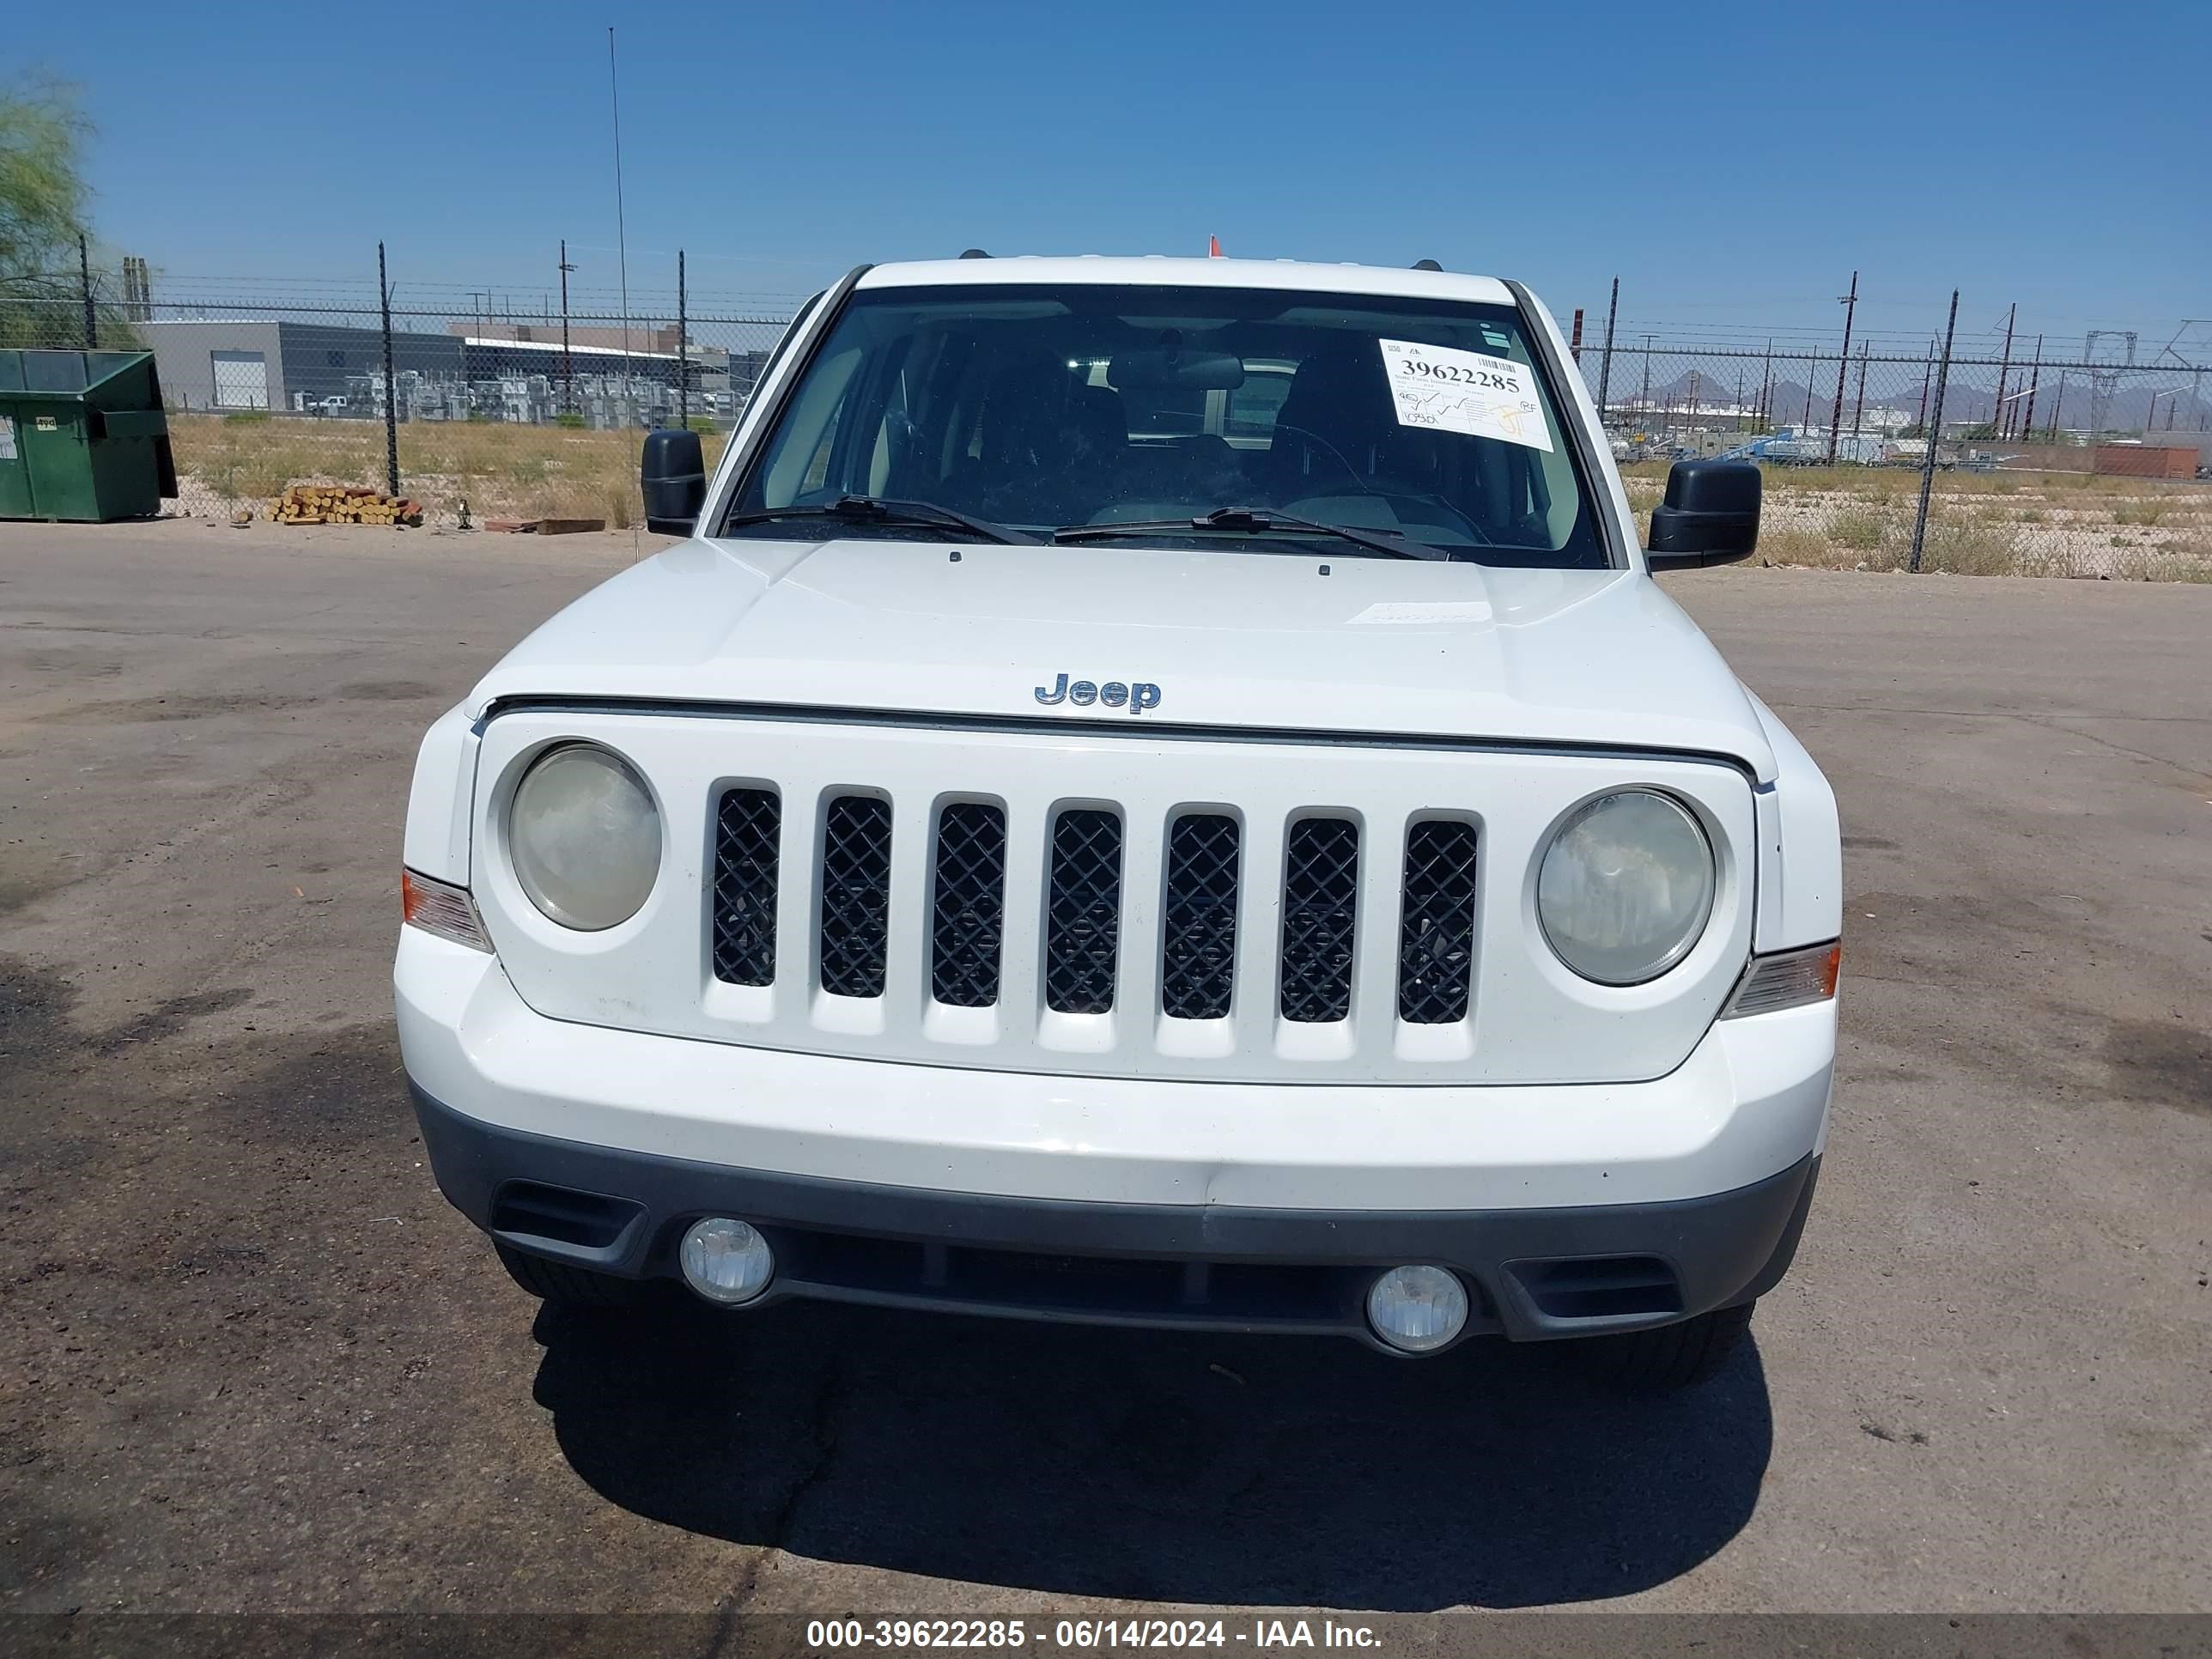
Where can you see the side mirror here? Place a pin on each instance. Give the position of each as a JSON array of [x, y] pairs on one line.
[[672, 476], [1710, 515]]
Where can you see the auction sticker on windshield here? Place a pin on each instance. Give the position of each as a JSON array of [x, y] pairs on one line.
[[1470, 391]]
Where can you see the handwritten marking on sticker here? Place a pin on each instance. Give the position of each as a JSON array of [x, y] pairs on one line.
[[1413, 611], [1447, 390]]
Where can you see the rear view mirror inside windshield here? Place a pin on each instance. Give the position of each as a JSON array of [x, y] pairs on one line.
[[1175, 366]]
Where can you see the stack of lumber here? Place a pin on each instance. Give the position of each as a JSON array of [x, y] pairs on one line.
[[341, 504]]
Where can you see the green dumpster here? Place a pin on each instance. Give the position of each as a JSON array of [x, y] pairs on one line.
[[82, 436]]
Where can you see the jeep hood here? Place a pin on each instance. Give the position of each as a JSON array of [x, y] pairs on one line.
[[1232, 639]]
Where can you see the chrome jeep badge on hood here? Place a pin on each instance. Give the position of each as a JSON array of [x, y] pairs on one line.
[[1136, 696]]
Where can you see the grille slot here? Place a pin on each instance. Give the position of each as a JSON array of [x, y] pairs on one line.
[[747, 826], [856, 895], [968, 908], [1198, 955], [1321, 893], [1083, 912], [1435, 936]]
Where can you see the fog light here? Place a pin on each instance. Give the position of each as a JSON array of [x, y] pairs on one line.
[[727, 1261], [1417, 1309]]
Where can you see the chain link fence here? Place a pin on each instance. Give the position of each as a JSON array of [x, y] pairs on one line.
[[471, 411], [2084, 463], [2086, 467]]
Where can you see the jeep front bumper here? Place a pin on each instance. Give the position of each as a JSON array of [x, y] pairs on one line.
[[1569, 1210]]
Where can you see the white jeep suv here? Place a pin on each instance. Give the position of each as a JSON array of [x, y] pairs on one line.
[[1060, 838]]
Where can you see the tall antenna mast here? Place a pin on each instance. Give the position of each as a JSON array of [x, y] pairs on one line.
[[622, 232]]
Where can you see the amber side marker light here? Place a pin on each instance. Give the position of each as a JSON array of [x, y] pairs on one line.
[[440, 908], [1788, 979]]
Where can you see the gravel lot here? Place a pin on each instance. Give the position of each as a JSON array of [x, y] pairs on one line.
[[250, 1360]]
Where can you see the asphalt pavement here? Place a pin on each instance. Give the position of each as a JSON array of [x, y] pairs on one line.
[[249, 1358]]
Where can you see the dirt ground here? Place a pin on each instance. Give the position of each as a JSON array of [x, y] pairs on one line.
[[250, 1360]]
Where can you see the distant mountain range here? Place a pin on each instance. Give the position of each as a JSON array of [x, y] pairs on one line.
[[1969, 398]]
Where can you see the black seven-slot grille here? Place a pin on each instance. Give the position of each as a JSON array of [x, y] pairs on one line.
[[1203, 885]]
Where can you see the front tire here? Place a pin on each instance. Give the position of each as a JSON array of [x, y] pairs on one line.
[[1678, 1356], [559, 1284]]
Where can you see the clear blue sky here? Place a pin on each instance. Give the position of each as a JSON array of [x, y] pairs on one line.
[[1732, 165]]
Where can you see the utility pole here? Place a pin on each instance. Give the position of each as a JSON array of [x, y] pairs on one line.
[[1766, 389], [1605, 364], [1812, 374], [568, 365], [683, 352], [2026, 425], [1843, 360], [1858, 406], [1644, 401], [1928, 463], [2004, 369]]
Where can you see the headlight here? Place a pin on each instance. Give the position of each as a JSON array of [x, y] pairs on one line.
[[585, 837], [1627, 887]]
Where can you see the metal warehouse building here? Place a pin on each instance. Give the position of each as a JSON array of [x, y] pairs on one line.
[[252, 362]]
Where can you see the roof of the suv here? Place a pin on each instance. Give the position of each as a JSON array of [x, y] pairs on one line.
[[1157, 272]]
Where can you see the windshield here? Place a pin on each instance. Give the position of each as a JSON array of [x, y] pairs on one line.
[[1071, 409]]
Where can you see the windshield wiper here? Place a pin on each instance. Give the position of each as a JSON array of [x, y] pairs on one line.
[[874, 510], [1257, 521]]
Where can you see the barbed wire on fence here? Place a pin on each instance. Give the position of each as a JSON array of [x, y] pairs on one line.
[[472, 403], [2034, 464], [457, 353], [2057, 457], [1651, 390]]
